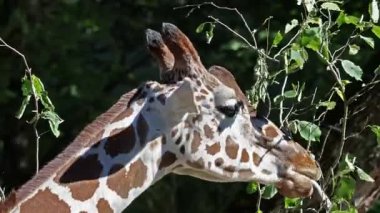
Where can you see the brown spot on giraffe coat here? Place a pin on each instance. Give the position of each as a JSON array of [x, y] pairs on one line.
[[231, 148], [122, 181], [270, 131], [196, 142], [120, 141], [208, 131], [213, 149], [256, 159], [103, 206], [83, 190], [167, 159], [43, 202], [244, 156]]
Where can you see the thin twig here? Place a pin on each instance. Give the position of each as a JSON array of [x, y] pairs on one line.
[[244, 39], [28, 72]]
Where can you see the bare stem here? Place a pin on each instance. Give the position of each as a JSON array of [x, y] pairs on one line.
[[28, 73]]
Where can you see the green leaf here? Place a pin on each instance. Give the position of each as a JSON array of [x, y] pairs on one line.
[[54, 121], [200, 27], [377, 70], [339, 93], [38, 85], [299, 56], [23, 106], [277, 39], [346, 19], [330, 6], [288, 27], [328, 104], [252, 187], [373, 10], [290, 94], [345, 188], [350, 162], [46, 102], [352, 69], [311, 38], [26, 86], [259, 211], [210, 33], [376, 30], [353, 49], [269, 192], [376, 130], [292, 202], [363, 175], [293, 126], [369, 41], [309, 131]]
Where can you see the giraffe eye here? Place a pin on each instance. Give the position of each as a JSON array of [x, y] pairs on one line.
[[230, 110]]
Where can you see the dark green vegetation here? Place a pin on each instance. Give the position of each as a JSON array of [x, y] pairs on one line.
[[88, 53]]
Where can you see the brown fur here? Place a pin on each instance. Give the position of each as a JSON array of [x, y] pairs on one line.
[[84, 139]]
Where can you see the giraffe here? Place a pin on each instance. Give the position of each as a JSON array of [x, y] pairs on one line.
[[193, 122]]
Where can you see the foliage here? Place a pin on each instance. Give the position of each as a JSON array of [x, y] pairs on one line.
[[305, 61], [316, 33]]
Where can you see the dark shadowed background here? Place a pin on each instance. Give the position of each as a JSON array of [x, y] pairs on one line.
[[88, 53]]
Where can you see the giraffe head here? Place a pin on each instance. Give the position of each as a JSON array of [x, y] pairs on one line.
[[209, 128]]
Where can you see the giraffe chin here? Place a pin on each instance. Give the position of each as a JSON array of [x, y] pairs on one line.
[[295, 185]]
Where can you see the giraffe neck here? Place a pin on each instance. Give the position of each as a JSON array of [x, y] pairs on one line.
[[106, 172]]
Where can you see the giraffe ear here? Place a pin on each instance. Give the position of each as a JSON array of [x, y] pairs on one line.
[[180, 102], [186, 56], [160, 51]]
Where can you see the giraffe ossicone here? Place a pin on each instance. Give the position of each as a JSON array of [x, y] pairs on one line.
[[194, 122]]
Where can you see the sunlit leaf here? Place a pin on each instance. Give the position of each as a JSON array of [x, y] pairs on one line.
[[347, 19], [290, 94], [377, 70], [350, 162], [311, 38], [328, 104], [26, 87], [330, 6], [353, 49], [339, 93], [309, 131], [38, 85], [252, 187], [352, 69], [293, 126], [292, 202], [376, 130], [374, 11], [46, 102], [277, 39], [376, 30], [200, 27], [288, 27], [54, 121], [269, 191], [23, 106], [363, 175], [369, 41], [210, 33], [345, 188]]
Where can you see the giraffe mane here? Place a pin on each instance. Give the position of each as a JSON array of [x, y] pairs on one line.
[[86, 137]]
